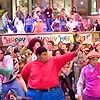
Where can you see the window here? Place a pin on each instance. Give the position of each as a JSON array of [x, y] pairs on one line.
[[24, 5], [59, 4], [68, 6], [93, 7], [3, 6]]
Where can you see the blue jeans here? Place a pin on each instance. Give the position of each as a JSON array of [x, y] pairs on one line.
[[14, 86], [5, 28], [56, 94], [28, 28], [49, 23]]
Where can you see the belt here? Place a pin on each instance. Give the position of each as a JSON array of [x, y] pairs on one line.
[[44, 90]]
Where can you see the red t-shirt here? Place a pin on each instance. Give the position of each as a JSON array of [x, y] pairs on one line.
[[40, 75]]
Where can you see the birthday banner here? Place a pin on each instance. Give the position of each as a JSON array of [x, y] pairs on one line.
[[24, 39]]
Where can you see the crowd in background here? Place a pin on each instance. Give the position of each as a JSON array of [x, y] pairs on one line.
[[43, 20], [68, 75], [16, 56]]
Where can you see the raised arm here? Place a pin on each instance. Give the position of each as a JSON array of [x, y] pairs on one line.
[[63, 59]]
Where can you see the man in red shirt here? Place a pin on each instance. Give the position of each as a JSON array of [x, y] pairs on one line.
[[41, 75]]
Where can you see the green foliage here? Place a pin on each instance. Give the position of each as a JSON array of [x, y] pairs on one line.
[[1, 12]]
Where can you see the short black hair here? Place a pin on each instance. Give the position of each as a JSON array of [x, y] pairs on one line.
[[40, 50]]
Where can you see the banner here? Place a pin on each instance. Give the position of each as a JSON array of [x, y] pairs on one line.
[[24, 39], [10, 40], [54, 37], [87, 37]]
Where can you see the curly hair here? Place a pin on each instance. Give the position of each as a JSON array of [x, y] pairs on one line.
[[32, 43]]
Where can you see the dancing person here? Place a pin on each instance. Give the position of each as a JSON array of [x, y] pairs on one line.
[[90, 79], [7, 77], [42, 75]]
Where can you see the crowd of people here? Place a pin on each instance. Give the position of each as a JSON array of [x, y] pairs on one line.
[[43, 20], [45, 72]]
